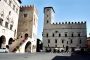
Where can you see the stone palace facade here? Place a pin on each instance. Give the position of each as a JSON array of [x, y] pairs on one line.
[[60, 36]]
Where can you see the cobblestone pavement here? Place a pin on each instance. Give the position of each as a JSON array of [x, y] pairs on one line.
[[41, 56], [29, 56]]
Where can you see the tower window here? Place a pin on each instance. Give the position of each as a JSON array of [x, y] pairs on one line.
[[47, 15], [47, 35], [65, 34], [47, 21], [25, 15]]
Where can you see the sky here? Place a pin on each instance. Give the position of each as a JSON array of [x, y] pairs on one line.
[[65, 10]]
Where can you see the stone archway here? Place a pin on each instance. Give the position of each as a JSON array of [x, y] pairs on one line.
[[28, 47], [2, 41], [10, 41]]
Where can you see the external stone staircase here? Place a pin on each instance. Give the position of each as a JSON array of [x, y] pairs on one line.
[[16, 44]]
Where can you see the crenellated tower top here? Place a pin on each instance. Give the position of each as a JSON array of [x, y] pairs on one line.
[[28, 8]]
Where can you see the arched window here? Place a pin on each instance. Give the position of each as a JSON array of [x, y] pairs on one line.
[[47, 21], [62, 41], [78, 34], [71, 41], [10, 41], [72, 35], [1, 21], [56, 31], [59, 35], [47, 35], [66, 34], [48, 40], [53, 35], [2, 41], [55, 40]]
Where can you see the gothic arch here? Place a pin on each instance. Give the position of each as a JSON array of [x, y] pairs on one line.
[[10, 41], [28, 47], [2, 40]]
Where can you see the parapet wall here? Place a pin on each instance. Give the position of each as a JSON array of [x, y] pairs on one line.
[[57, 23], [66, 25], [28, 8]]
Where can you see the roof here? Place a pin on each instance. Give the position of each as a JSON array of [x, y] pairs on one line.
[[49, 7]]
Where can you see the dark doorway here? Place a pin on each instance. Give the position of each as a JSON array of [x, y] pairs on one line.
[[2, 41], [28, 47], [73, 49]]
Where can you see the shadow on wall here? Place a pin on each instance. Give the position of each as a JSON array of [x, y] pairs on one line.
[[77, 57]]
